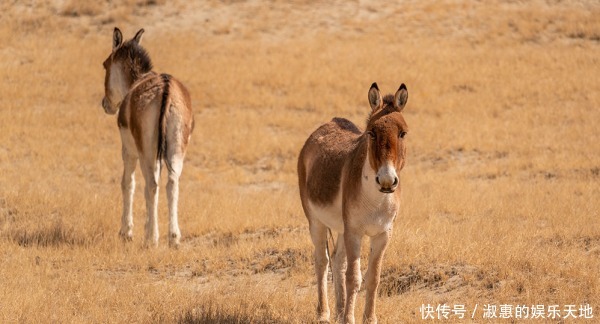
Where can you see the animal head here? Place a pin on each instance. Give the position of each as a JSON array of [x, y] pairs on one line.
[[386, 129], [125, 64]]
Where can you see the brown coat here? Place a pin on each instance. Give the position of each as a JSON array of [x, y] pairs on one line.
[[348, 181]]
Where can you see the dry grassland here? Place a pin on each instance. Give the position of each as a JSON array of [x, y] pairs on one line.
[[501, 192]]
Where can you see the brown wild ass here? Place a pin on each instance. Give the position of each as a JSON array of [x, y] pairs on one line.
[[349, 184], [155, 121]]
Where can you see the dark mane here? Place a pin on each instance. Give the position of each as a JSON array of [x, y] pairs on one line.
[[388, 101], [136, 56]]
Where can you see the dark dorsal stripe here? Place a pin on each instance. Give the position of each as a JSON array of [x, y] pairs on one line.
[[162, 127], [387, 108]]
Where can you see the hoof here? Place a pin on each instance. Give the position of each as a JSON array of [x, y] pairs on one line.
[[174, 240], [370, 320], [174, 243], [323, 317], [151, 244], [126, 236]]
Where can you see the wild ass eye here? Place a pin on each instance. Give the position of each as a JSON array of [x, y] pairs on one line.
[[371, 134], [402, 134]]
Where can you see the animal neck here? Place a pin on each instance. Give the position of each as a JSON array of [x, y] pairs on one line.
[[356, 168]]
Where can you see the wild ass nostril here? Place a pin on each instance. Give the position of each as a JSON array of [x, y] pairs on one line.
[[377, 180], [395, 182]]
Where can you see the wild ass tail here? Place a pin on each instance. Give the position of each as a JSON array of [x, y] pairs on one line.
[[162, 121]]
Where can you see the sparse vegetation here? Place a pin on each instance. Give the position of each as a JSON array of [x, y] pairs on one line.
[[500, 192], [218, 314]]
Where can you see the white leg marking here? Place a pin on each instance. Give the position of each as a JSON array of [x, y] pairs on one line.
[[339, 277], [176, 163], [127, 188], [378, 246], [318, 234], [151, 170], [353, 275]]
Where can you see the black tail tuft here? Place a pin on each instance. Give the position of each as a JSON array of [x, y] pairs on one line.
[[162, 122]]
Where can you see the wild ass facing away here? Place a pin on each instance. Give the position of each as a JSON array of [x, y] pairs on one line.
[[155, 121], [349, 184]]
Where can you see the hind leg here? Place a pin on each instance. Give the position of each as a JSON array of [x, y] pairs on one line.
[[175, 166], [151, 170], [318, 234]]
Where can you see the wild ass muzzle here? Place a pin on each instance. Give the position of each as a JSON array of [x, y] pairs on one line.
[[349, 184], [155, 121]]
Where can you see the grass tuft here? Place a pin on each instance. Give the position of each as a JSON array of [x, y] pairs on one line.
[[211, 313]]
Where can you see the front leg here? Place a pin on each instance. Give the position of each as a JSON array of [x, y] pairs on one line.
[[339, 277], [353, 275], [378, 246]]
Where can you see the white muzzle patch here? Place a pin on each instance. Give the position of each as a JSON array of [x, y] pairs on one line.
[[387, 179]]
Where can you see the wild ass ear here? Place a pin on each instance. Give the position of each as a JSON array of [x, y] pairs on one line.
[[117, 38], [138, 36], [374, 96], [400, 97]]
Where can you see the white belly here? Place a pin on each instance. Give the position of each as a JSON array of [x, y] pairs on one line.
[[330, 215]]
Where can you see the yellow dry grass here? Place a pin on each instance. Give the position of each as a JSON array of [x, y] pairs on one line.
[[501, 191]]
